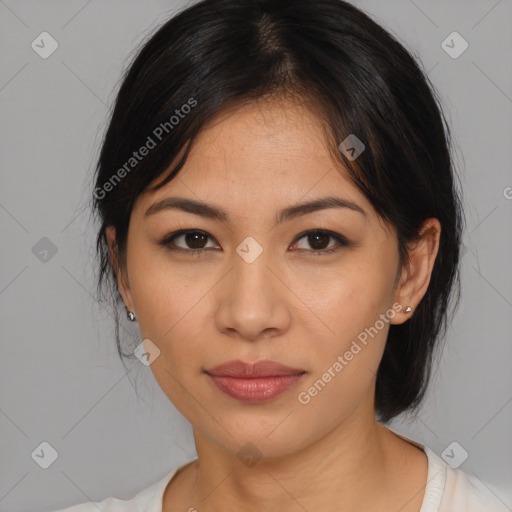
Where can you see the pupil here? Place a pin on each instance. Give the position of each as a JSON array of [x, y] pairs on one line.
[[194, 240], [313, 239]]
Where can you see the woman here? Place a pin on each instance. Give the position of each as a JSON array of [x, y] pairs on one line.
[[279, 214]]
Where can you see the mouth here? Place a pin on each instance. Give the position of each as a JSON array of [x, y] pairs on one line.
[[254, 383]]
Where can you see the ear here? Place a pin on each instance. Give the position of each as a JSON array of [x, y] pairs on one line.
[[415, 276], [122, 279]]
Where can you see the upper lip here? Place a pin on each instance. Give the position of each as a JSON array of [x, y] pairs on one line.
[[263, 368]]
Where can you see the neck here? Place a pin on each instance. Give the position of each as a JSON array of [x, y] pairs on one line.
[[350, 468]]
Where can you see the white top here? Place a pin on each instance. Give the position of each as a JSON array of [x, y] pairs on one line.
[[447, 490]]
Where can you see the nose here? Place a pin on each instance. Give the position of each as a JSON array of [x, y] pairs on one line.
[[253, 303]]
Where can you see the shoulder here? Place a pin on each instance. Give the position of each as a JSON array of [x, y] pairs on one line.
[[466, 492], [454, 490], [147, 500]]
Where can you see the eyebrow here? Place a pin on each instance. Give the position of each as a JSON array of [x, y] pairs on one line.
[[217, 213]]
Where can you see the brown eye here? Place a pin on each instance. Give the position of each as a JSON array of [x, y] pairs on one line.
[[318, 241], [195, 240], [189, 241]]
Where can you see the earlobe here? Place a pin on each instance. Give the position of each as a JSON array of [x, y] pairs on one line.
[[416, 275]]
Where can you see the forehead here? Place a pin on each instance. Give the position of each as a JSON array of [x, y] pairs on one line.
[[263, 138], [270, 152]]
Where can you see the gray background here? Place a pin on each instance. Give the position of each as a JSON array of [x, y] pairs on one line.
[[61, 379]]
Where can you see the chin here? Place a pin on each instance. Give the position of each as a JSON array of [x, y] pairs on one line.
[[260, 438]]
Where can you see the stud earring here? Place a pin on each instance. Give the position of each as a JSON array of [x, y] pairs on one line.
[[131, 316], [408, 309]]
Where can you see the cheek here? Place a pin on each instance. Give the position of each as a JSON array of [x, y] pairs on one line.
[[170, 311], [350, 301], [162, 293], [173, 306], [348, 298], [346, 363]]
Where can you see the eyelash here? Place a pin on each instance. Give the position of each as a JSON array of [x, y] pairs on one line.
[[342, 241]]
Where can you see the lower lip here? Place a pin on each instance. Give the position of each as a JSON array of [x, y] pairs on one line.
[[256, 390]]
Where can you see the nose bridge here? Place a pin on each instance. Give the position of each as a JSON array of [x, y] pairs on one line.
[[251, 273], [251, 302]]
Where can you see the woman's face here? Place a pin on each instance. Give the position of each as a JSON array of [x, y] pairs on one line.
[[261, 289]]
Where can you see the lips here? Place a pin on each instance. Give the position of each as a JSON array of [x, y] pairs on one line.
[[254, 383], [264, 368]]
